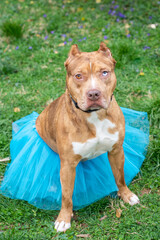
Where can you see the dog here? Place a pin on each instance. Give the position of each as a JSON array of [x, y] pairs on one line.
[[84, 123]]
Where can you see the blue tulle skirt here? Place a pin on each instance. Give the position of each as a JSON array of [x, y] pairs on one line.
[[34, 172]]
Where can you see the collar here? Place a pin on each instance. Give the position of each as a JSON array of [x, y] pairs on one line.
[[88, 111]]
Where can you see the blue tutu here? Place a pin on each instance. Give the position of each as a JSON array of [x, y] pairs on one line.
[[34, 172]]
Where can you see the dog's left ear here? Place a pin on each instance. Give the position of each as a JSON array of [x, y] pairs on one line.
[[103, 48], [72, 53]]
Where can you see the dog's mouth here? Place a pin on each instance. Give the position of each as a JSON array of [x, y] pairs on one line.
[[94, 106]]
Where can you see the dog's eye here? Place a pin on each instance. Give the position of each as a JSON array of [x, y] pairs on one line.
[[104, 73], [78, 76]]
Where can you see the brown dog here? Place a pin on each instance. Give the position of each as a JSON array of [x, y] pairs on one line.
[[85, 122]]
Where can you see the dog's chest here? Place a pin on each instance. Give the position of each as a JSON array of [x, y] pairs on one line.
[[103, 141]]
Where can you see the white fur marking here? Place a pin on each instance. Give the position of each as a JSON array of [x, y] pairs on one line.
[[134, 200], [103, 142], [61, 226]]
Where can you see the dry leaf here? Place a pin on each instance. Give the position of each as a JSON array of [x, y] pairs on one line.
[[5, 159], [118, 213], [102, 218], [106, 41], [83, 235], [49, 101], [44, 66], [153, 26], [17, 109], [145, 191], [98, 1], [79, 9], [61, 44], [6, 48], [141, 73]]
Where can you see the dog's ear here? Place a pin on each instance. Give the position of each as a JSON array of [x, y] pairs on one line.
[[73, 52], [103, 48]]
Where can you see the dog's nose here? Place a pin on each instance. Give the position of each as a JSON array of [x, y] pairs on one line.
[[93, 95]]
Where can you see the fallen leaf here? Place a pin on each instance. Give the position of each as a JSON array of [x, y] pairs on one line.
[[141, 73], [17, 109], [83, 235], [6, 48], [61, 44], [118, 213], [98, 1], [79, 9], [5, 159], [106, 41], [102, 218], [145, 191], [49, 101], [37, 35], [127, 26], [153, 26], [44, 66]]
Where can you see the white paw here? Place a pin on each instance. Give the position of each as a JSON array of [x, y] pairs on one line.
[[134, 200], [61, 226]]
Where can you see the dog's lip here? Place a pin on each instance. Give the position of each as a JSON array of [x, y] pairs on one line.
[[94, 106]]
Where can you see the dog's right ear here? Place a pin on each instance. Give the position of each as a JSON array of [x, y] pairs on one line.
[[73, 52]]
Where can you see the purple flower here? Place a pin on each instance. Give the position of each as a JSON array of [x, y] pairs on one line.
[[70, 40], [46, 37], [148, 34], [81, 26], [117, 20], [63, 6], [103, 29], [113, 2], [30, 48], [80, 40], [113, 13], [146, 47], [132, 9], [128, 35], [110, 11], [121, 15], [84, 38], [116, 6], [65, 42], [63, 35], [17, 48], [107, 26], [105, 37], [44, 15], [150, 17], [52, 32]]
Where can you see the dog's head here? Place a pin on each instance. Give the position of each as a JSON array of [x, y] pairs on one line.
[[90, 77]]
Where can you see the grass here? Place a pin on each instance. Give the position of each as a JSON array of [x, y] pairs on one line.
[[32, 72]]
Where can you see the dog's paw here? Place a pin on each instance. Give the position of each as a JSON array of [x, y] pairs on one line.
[[133, 200], [61, 226], [128, 197]]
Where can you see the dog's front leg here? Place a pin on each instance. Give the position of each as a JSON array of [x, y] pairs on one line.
[[116, 158], [67, 176]]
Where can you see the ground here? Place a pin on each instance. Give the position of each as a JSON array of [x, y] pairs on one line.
[[35, 37]]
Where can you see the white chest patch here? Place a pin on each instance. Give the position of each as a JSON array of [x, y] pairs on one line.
[[103, 142]]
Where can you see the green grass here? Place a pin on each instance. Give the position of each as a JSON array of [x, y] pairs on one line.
[[12, 29], [32, 72]]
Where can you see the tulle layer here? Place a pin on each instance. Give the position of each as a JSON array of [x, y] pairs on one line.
[[34, 172]]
